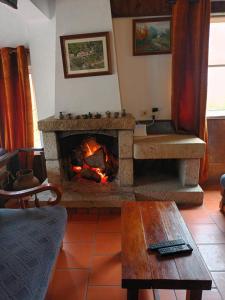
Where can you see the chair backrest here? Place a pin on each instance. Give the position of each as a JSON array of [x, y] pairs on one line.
[[24, 196]]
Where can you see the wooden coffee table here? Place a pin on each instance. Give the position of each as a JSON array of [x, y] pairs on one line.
[[151, 222]]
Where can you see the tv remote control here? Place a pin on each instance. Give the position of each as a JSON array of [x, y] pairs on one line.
[[165, 244], [175, 250]]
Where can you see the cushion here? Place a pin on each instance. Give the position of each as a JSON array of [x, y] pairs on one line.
[[222, 181], [30, 241], [2, 151]]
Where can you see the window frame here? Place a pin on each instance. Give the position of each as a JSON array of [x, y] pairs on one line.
[[216, 114]]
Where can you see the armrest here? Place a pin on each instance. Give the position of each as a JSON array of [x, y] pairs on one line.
[[222, 202], [5, 195]]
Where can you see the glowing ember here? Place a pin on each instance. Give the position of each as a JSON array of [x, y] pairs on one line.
[[104, 178], [76, 169]]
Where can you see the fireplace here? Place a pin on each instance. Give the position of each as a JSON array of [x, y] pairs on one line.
[[92, 159]]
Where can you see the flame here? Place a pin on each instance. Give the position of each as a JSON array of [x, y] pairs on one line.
[[104, 178], [90, 152], [90, 147]]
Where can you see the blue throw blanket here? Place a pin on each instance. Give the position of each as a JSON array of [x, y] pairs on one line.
[[30, 241]]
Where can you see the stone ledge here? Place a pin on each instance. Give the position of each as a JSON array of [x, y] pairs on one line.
[[96, 200], [170, 190], [53, 124], [169, 146]]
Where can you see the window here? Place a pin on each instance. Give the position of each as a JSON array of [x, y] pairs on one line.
[[37, 140], [216, 69]]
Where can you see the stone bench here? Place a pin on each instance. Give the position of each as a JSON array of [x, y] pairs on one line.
[[187, 149]]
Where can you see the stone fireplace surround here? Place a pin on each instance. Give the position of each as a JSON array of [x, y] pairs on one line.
[[92, 193], [185, 148]]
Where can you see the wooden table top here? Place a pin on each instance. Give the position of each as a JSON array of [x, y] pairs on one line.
[[151, 222]]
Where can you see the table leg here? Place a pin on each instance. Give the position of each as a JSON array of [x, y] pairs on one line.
[[132, 294], [194, 295]]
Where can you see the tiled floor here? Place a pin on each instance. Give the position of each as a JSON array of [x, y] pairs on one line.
[[89, 266]]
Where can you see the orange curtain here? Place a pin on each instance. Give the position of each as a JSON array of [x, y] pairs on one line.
[[189, 69], [16, 120]]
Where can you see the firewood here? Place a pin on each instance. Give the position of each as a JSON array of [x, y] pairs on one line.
[[91, 175], [97, 160], [77, 157]]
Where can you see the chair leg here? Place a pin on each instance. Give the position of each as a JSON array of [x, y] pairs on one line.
[[61, 247]]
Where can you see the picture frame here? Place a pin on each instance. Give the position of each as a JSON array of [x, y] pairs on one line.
[[86, 54], [152, 36]]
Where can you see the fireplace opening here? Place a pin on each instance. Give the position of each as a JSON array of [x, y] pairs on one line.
[[90, 156], [155, 170]]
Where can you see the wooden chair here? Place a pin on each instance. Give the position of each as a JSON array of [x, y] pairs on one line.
[[24, 196], [31, 238]]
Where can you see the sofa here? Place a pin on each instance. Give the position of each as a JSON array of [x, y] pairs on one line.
[[222, 183], [30, 241]]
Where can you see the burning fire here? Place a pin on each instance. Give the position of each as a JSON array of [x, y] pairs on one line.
[[89, 149]]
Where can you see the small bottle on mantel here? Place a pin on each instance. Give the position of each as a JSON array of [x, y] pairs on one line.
[[61, 116], [108, 114], [116, 114]]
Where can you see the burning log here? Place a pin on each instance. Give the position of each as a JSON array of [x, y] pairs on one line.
[[90, 174], [97, 160]]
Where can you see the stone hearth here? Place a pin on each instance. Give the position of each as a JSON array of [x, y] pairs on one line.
[[185, 149]]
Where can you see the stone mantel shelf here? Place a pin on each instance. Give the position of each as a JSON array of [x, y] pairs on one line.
[[54, 124]]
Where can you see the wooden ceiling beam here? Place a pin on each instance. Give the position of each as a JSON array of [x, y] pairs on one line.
[[141, 8], [138, 8], [218, 7]]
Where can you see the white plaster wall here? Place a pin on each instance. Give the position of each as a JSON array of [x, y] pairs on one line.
[[13, 28], [42, 52], [96, 93], [145, 81]]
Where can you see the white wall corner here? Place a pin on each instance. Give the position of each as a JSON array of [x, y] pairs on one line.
[[47, 7]]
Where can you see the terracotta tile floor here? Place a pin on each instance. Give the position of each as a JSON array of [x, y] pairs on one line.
[[89, 268]]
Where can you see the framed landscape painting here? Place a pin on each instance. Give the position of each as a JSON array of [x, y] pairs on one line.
[[151, 36], [86, 54]]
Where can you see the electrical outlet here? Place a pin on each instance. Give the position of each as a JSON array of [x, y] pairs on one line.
[[155, 113], [155, 109]]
